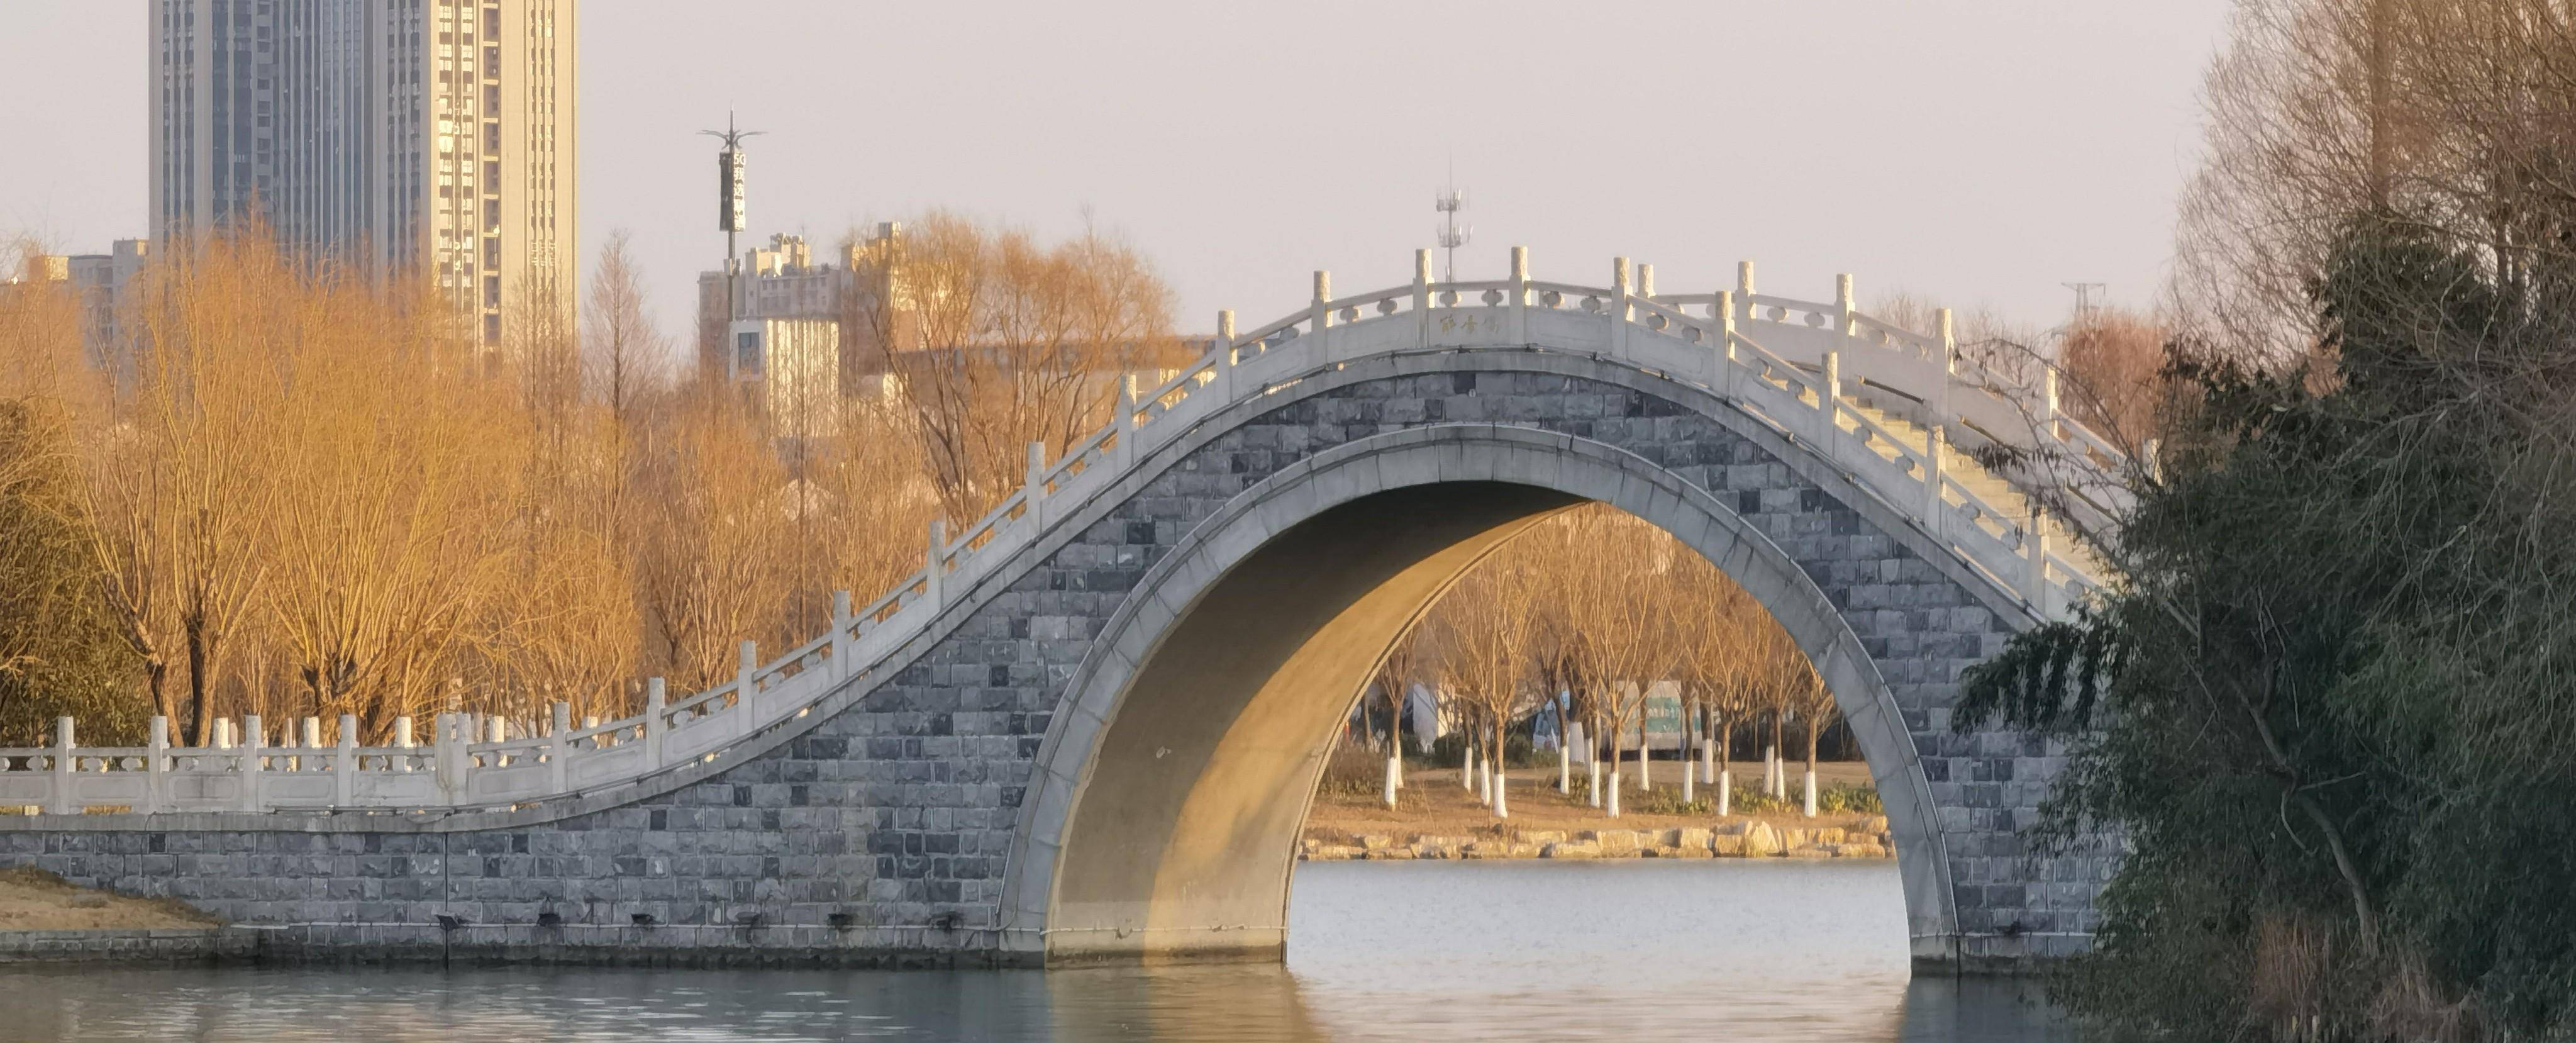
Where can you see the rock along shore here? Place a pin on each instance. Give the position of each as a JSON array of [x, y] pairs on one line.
[[1748, 839]]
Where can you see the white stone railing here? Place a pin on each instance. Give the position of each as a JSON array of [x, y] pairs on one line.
[[1792, 364]]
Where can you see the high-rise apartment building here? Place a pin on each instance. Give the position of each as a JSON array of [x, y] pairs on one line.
[[428, 136]]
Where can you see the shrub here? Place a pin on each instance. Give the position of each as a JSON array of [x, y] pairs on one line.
[[1850, 798]]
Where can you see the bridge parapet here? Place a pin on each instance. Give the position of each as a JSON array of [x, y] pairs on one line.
[[1899, 411]]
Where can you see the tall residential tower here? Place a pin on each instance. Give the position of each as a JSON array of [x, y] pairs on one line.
[[431, 136]]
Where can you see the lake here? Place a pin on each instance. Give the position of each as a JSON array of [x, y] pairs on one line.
[[1649, 949]]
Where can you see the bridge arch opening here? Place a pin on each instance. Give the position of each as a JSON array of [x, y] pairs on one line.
[[1163, 823]]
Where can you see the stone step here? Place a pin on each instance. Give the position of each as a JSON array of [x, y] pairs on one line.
[[1964, 470]]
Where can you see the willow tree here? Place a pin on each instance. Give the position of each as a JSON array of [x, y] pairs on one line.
[[61, 652]]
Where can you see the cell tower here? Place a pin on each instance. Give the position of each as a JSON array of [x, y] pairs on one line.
[[731, 212], [1452, 235]]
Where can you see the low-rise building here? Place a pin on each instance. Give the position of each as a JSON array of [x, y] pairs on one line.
[[100, 281]]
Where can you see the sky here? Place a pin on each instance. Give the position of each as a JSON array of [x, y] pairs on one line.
[[1975, 152]]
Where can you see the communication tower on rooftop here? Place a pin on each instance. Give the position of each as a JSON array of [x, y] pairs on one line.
[[1452, 235]]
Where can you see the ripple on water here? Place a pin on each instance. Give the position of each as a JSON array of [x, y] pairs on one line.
[[1791, 951]]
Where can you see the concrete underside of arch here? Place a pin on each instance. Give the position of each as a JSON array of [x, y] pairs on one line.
[[1001, 791], [1215, 696]]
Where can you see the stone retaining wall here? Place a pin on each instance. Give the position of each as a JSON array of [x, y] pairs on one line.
[[1869, 839], [167, 945]]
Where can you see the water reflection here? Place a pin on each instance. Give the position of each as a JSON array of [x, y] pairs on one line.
[[1628, 950]]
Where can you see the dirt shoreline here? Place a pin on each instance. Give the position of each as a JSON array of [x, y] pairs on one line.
[[34, 900]]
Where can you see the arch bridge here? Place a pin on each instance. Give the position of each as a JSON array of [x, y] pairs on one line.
[[1089, 727]]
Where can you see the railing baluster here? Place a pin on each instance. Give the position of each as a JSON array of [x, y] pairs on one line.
[[1520, 295], [842, 645], [344, 763], [156, 766], [63, 804], [939, 548], [1422, 298], [656, 705], [1223, 349], [1829, 406], [1125, 422], [254, 736], [1320, 315], [559, 746], [2036, 546], [1721, 322], [1619, 291], [2048, 426]]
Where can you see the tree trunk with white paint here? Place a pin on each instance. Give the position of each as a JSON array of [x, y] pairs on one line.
[[1811, 794], [1613, 806], [1394, 765], [1725, 793]]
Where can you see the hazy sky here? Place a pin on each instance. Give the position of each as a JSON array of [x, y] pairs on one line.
[[1977, 151]]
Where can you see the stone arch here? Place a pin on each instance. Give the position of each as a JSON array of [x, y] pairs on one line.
[[1162, 814]]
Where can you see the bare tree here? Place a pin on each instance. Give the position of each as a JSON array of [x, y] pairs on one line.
[[1721, 630], [994, 342], [713, 572], [1483, 627]]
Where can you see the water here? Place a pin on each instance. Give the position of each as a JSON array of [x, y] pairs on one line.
[[1628, 950]]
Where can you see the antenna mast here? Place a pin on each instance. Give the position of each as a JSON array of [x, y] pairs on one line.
[[2084, 293], [731, 213], [1448, 202]]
